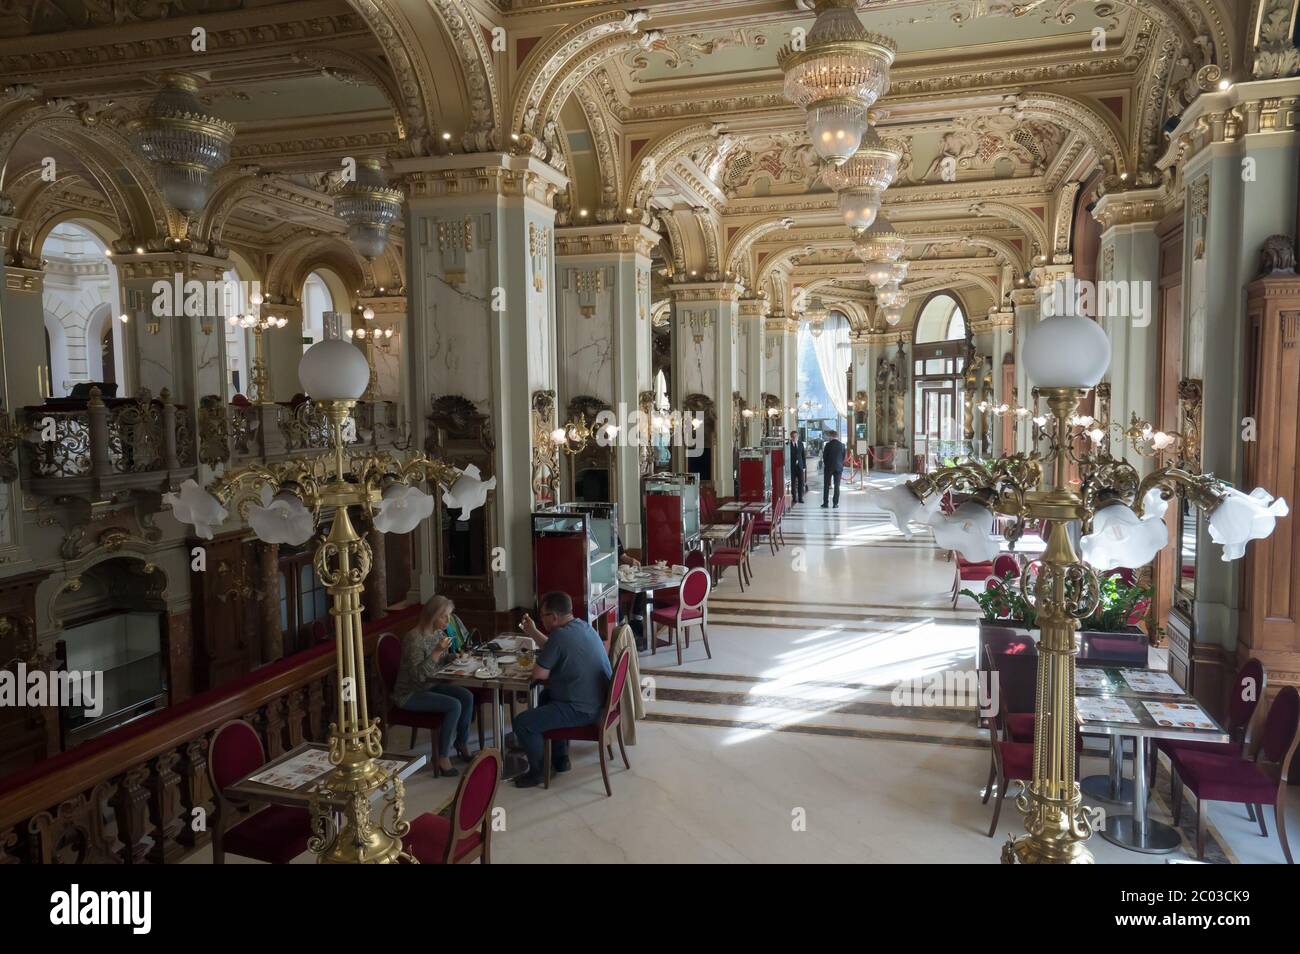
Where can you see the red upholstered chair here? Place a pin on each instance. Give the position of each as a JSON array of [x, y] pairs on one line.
[[1229, 778], [1005, 563], [691, 609], [1251, 681], [388, 659], [708, 504], [696, 558], [965, 572], [276, 834], [1009, 759], [767, 526], [723, 557], [610, 721], [463, 835]]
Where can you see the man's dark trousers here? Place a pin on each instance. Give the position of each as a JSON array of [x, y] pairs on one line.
[[828, 476]]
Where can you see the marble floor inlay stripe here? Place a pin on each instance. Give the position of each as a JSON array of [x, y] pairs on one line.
[[846, 707], [811, 728]]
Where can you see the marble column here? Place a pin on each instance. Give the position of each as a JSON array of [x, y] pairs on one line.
[[1025, 302], [604, 340], [19, 307], [480, 250], [751, 357], [175, 325], [283, 349], [1238, 152], [999, 329], [1129, 277], [390, 368], [705, 341]]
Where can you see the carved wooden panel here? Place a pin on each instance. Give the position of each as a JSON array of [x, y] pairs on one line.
[[221, 637], [1270, 627]]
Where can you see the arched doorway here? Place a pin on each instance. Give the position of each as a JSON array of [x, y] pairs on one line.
[[940, 339], [80, 295]]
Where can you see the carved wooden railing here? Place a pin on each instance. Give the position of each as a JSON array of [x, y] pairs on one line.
[[74, 447], [134, 795], [241, 433]]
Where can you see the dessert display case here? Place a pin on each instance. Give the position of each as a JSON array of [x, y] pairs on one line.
[[575, 550], [671, 517], [762, 471]]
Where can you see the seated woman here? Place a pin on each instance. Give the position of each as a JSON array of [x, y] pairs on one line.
[[425, 649]]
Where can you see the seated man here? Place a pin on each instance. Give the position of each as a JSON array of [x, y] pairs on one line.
[[574, 664]]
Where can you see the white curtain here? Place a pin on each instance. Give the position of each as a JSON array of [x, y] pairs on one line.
[[833, 356]]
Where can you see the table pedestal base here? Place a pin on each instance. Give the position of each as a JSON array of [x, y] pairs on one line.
[[1099, 787], [1154, 839]]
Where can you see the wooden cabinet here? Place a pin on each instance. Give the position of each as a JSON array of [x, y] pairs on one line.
[[221, 596]]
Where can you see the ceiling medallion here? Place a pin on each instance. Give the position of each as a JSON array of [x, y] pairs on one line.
[[184, 140], [835, 74], [369, 208]]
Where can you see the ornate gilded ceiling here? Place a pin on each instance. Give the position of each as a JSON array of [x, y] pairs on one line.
[[667, 111]]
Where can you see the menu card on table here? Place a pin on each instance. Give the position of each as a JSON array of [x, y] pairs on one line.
[[1180, 715], [1147, 680], [1090, 679], [296, 772], [1093, 709]]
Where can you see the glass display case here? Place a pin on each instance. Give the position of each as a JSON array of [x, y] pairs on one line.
[[126, 648], [761, 470], [670, 516], [575, 550]]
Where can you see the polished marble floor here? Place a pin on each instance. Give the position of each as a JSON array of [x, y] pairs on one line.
[[786, 747]]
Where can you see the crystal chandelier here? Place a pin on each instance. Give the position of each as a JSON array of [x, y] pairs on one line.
[[184, 140], [369, 208], [835, 76], [862, 180], [880, 248]]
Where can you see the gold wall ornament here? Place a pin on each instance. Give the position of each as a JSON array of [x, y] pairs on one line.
[[539, 241], [546, 451], [1190, 410]]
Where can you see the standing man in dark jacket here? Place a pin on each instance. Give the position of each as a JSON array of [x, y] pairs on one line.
[[832, 466], [798, 468]]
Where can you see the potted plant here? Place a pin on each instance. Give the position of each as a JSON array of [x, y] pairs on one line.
[[1002, 608], [1111, 633]]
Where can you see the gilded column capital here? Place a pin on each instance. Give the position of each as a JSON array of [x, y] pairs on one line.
[[1134, 207], [755, 308], [1024, 297], [623, 238], [480, 175], [705, 291]]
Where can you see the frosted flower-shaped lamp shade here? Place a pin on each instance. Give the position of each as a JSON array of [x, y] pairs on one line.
[[969, 531], [334, 370], [196, 507], [402, 508], [469, 492], [1120, 537], [281, 519], [902, 505], [1066, 351], [1241, 518]]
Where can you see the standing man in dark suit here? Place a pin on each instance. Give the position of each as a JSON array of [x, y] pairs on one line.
[[798, 468], [832, 466]]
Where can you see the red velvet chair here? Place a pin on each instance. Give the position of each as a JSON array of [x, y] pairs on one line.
[[1009, 759], [1005, 563], [696, 558], [723, 557], [388, 660], [1251, 682], [768, 526], [464, 834], [965, 572], [611, 720], [690, 609], [1229, 778], [276, 834]]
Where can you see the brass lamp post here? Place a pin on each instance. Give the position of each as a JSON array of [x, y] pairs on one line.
[[283, 502], [1072, 350]]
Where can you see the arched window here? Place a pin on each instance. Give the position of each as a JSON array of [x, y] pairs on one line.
[[942, 319], [80, 295], [939, 345], [316, 300]]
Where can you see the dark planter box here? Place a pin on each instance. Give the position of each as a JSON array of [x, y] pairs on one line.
[[1128, 647]]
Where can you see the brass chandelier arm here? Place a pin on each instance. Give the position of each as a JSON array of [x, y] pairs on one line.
[[1204, 490], [241, 488]]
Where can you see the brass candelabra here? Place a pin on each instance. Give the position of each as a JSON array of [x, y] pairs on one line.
[[1064, 590], [346, 828]]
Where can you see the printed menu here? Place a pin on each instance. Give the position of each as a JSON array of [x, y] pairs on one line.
[[1146, 680], [1094, 709], [1090, 679], [296, 772], [1181, 715]]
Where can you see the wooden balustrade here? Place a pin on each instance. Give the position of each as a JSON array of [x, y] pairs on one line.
[[140, 794]]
